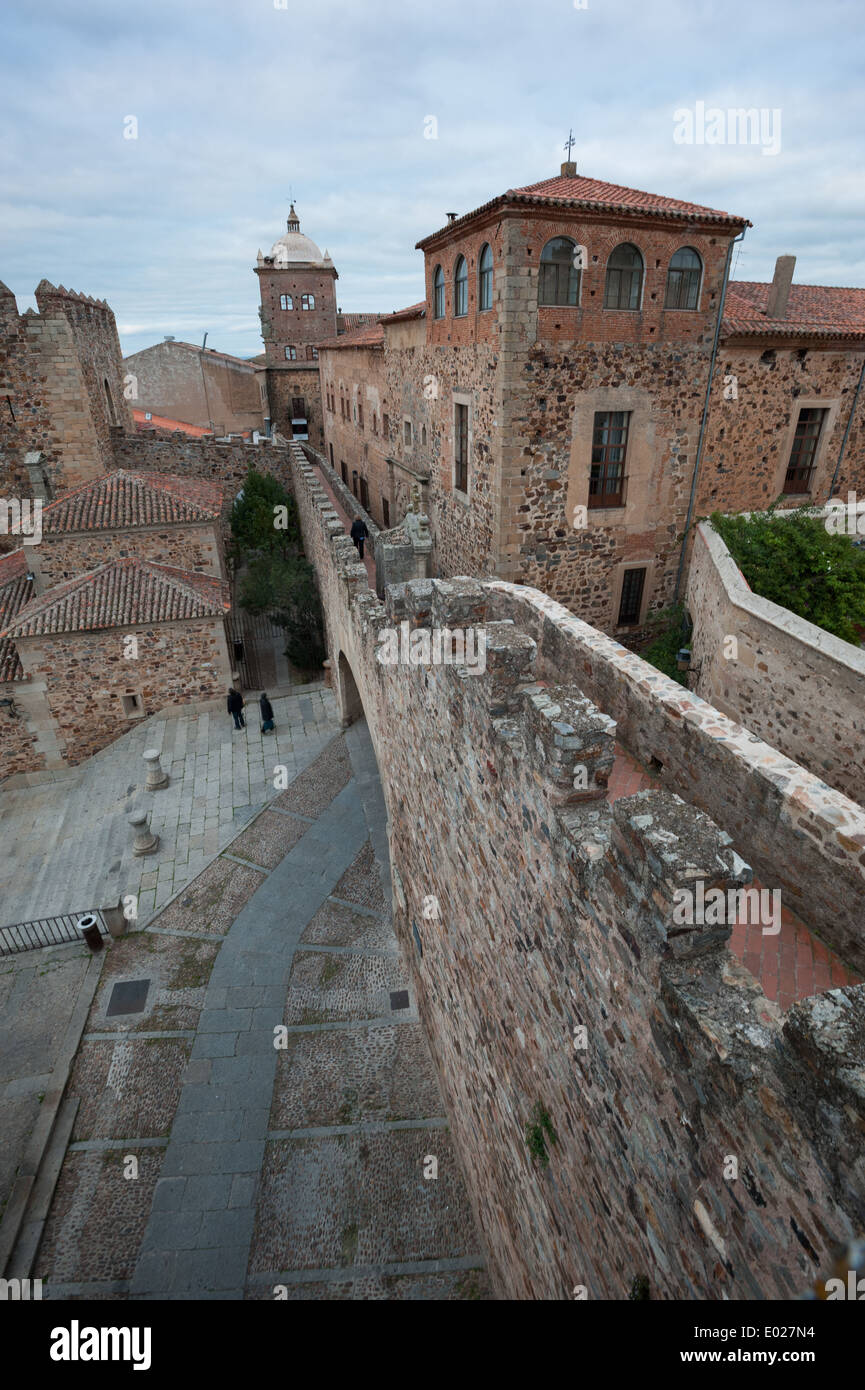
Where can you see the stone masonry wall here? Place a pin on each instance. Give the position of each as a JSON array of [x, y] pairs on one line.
[[18, 751], [355, 377], [531, 912], [85, 675], [798, 687], [196, 548]]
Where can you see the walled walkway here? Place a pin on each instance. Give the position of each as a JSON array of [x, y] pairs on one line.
[[67, 845], [320, 1169], [346, 520]]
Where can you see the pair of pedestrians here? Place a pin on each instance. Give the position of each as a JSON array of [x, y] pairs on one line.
[[236, 705]]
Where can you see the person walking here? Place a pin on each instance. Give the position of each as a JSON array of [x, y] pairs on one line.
[[359, 534], [235, 707], [267, 725]]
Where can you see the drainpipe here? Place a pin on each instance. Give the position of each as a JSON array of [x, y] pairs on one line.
[[698, 459], [847, 431]]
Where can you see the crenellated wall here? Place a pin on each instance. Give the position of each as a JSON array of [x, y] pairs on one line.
[[694, 1134]]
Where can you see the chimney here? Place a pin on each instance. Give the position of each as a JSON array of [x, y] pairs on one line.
[[451, 216], [569, 170], [779, 291]]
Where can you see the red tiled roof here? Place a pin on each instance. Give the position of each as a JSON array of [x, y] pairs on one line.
[[414, 311], [370, 336], [597, 196], [126, 592], [352, 321], [162, 422], [825, 311], [16, 590], [123, 499]]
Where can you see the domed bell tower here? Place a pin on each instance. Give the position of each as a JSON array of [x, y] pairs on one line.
[[298, 311]]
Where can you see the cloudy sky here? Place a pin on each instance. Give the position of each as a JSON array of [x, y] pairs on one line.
[[239, 102]]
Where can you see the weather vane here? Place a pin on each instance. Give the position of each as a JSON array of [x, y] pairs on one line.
[[569, 143]]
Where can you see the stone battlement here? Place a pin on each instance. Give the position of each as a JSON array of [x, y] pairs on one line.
[[626, 1099]]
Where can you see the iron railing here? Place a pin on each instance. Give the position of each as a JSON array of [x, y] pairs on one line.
[[47, 931]]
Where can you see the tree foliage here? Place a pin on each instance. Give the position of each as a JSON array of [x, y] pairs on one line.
[[669, 630], [797, 563], [264, 518]]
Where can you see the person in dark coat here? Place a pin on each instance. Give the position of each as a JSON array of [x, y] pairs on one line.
[[359, 534], [266, 708], [235, 707]]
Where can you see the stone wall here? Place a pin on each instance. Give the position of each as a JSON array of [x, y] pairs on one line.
[[54, 366], [283, 385], [227, 464], [19, 751], [86, 674], [198, 386], [532, 913], [798, 687], [196, 548], [355, 378]]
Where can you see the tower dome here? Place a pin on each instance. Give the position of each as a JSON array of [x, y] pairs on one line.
[[294, 247]]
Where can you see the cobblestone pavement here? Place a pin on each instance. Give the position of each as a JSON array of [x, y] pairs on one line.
[[208, 1163], [67, 845]]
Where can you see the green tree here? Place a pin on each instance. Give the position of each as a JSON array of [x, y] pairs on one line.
[[797, 563], [285, 588], [264, 518]]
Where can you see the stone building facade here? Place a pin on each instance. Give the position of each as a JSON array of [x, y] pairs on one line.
[[117, 644], [62, 393], [199, 386], [558, 397]]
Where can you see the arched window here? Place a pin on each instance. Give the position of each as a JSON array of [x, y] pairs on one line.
[[683, 279], [624, 278], [423, 435], [485, 278], [439, 293], [461, 288], [286, 301], [559, 279]]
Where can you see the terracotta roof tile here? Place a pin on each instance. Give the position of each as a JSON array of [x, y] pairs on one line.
[[598, 196], [372, 335], [16, 590], [123, 499], [126, 592], [826, 311], [352, 321], [163, 422]]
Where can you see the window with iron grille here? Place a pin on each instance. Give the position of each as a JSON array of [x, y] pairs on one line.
[[286, 301], [344, 471], [360, 415], [385, 425], [364, 495], [407, 433], [461, 447], [307, 301], [461, 288], [683, 280], [298, 408], [291, 354], [609, 445], [558, 277], [803, 453], [632, 597], [485, 279], [385, 511], [330, 446], [624, 278], [439, 293], [312, 353]]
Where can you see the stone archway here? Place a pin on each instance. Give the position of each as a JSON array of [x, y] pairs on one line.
[[347, 693]]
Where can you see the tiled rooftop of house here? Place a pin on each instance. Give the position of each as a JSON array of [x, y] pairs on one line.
[[122, 593], [368, 335], [578, 191], [163, 422], [812, 310], [123, 499], [16, 590]]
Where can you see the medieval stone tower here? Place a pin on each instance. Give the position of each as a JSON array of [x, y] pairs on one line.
[[298, 311]]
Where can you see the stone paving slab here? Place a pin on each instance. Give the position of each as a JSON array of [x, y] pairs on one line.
[[143, 1109], [342, 1077], [325, 987], [269, 839], [360, 1199], [98, 1216], [67, 845], [337, 924]]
